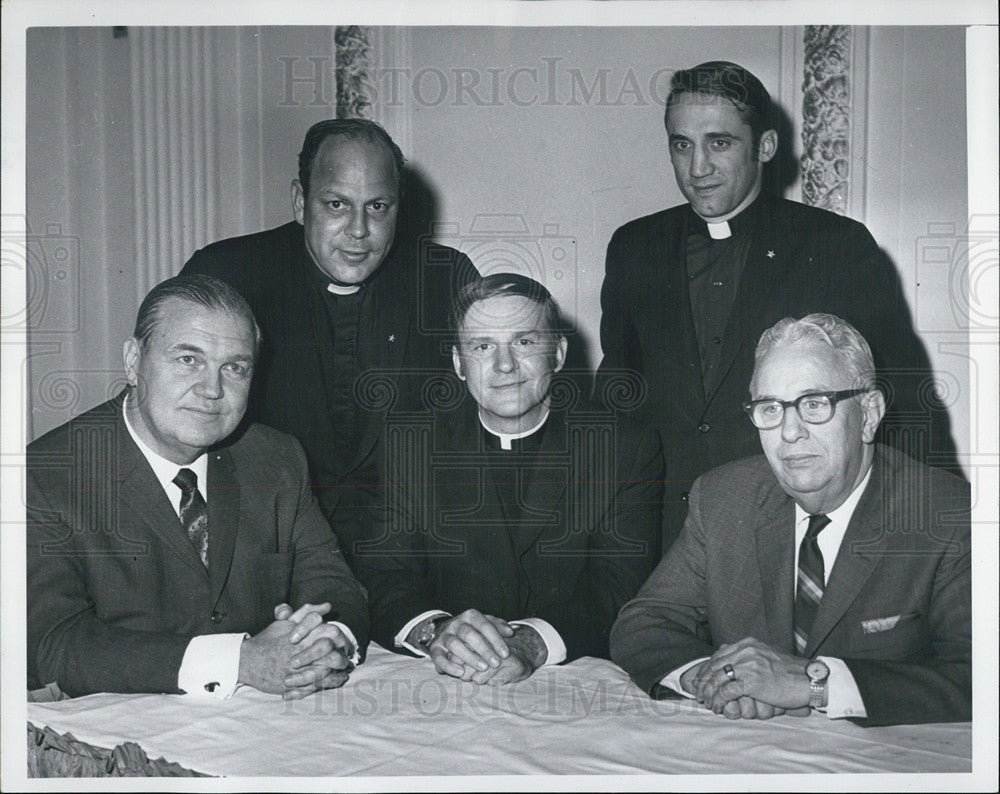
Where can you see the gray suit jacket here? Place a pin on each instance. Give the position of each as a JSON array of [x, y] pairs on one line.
[[116, 590], [731, 575]]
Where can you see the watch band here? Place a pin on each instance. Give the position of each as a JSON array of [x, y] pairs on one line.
[[428, 632], [818, 673], [817, 692]]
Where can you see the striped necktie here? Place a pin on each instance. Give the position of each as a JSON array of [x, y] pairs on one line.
[[194, 512], [811, 580]]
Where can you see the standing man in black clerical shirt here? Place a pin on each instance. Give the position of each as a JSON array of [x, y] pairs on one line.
[[345, 307], [687, 291]]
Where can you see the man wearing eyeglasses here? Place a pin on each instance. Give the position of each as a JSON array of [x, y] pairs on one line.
[[831, 574]]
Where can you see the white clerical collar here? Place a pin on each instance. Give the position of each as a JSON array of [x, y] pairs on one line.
[[507, 438], [718, 228], [842, 515], [342, 289], [165, 470]]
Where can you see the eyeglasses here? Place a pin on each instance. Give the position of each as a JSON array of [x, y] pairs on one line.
[[815, 408]]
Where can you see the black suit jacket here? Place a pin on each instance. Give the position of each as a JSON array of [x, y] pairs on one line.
[[906, 554], [801, 260], [413, 289], [115, 588], [585, 536]]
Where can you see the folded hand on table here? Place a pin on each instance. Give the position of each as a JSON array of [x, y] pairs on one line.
[[527, 653], [470, 643], [296, 655], [766, 683]]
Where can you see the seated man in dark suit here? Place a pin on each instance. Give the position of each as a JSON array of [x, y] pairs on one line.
[[503, 505], [831, 573], [160, 535], [343, 301]]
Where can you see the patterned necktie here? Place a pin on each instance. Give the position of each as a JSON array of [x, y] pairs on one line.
[[194, 512], [811, 579]]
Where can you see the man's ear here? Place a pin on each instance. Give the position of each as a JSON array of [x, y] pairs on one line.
[[767, 147], [456, 360], [873, 409], [561, 347], [298, 200], [130, 355]]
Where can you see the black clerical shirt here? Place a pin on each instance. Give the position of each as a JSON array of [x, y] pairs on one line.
[[714, 268]]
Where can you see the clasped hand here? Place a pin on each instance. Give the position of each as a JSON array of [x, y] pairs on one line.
[[767, 682], [297, 654], [482, 648]]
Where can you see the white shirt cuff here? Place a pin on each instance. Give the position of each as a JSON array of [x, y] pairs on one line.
[[211, 665], [673, 679], [842, 696], [553, 642], [400, 638], [355, 657]]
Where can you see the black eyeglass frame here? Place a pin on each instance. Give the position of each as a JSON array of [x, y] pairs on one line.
[[833, 396]]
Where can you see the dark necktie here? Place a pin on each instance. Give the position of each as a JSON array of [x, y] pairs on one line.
[[809, 590], [194, 512]]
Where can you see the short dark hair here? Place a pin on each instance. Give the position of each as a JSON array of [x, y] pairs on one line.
[[352, 129], [729, 81], [207, 291], [506, 284]]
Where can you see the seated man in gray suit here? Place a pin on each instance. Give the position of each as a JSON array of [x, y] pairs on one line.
[[832, 573], [160, 536], [516, 524]]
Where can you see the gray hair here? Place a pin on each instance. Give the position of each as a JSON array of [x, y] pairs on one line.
[[826, 329]]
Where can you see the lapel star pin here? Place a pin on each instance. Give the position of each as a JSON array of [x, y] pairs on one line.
[[392, 337], [770, 254]]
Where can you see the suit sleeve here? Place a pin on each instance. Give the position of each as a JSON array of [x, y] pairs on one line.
[[937, 688], [666, 624], [392, 564], [622, 549], [619, 340], [203, 262], [67, 642], [319, 571]]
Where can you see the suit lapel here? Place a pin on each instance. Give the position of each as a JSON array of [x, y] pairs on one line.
[[776, 563], [671, 251], [311, 324], [223, 518], [392, 327], [859, 555], [142, 493], [764, 265], [544, 489]]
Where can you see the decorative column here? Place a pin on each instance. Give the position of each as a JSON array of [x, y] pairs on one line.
[[826, 117], [352, 50]]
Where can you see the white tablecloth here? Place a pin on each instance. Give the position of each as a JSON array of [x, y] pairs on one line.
[[396, 716]]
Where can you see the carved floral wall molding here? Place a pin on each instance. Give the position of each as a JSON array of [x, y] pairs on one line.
[[826, 117]]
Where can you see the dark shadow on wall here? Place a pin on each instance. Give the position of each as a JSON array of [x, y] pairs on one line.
[[781, 173], [418, 209], [917, 419]]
